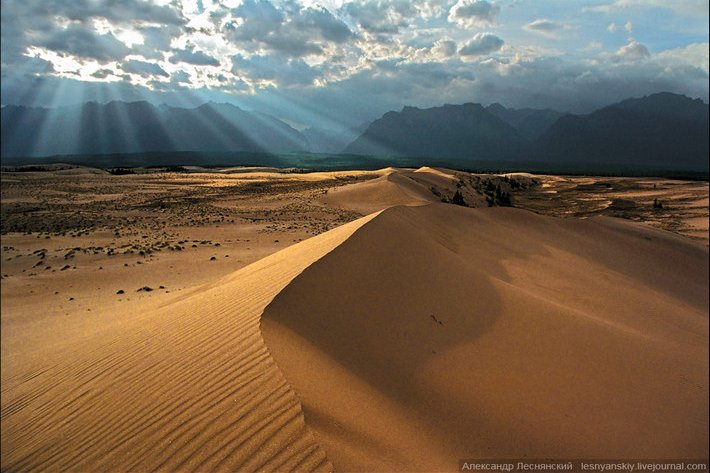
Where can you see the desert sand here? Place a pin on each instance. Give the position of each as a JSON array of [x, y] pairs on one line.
[[405, 335]]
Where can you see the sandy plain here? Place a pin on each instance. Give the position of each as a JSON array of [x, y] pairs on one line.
[[258, 320]]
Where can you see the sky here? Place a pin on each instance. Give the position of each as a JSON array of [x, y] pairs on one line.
[[338, 63]]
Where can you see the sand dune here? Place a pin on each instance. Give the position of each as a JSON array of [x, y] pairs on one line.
[[190, 387], [436, 333], [409, 338], [393, 187]]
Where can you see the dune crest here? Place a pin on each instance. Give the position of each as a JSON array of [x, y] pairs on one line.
[[436, 333], [393, 187], [190, 387]]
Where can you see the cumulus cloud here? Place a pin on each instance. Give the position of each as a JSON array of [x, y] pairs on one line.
[[694, 55], [381, 17], [444, 48], [480, 44], [473, 13], [633, 51], [260, 25], [144, 69]]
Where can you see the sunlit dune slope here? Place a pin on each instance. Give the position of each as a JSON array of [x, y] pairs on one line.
[[191, 387], [437, 332], [393, 187]]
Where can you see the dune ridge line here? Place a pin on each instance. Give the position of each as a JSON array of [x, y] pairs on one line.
[[191, 387]]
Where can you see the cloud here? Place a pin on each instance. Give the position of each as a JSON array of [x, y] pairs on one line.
[[197, 58], [180, 77], [480, 44], [102, 73], [83, 42], [381, 17], [694, 55], [323, 23], [280, 70], [259, 25], [443, 48], [545, 27], [613, 27], [115, 12], [67, 25], [633, 51], [156, 40], [363, 56], [682, 7], [473, 13], [144, 69]]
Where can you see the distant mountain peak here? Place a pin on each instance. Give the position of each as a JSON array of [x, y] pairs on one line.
[[496, 107]]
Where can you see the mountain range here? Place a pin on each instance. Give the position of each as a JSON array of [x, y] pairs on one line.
[[661, 131], [664, 131], [138, 127]]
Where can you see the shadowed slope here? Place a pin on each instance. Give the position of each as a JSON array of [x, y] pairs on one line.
[[436, 333], [190, 387]]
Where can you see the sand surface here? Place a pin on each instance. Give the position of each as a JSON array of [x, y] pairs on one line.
[[417, 334], [497, 333]]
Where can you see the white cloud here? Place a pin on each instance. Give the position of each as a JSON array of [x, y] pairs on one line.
[[683, 7], [474, 13], [481, 44], [694, 55], [545, 27], [633, 51]]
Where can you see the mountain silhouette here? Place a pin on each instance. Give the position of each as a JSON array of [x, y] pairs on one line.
[[450, 131], [661, 130], [529, 122], [135, 127]]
